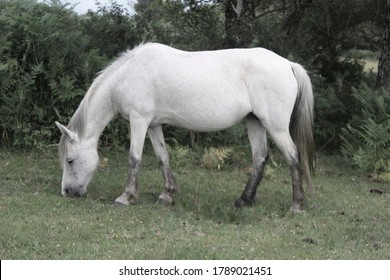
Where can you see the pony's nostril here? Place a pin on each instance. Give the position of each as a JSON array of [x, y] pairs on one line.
[[72, 191]]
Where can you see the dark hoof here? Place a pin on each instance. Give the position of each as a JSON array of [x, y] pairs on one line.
[[297, 208], [165, 202], [239, 203]]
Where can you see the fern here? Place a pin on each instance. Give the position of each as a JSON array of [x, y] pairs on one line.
[[364, 97], [382, 169], [180, 156], [216, 157], [366, 139]]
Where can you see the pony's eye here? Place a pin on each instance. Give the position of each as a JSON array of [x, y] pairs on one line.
[[70, 161]]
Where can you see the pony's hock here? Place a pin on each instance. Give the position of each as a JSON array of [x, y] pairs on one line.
[[154, 84]]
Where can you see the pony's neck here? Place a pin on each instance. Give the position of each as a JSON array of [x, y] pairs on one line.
[[98, 115]]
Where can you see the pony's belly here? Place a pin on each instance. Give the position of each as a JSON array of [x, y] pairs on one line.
[[202, 120]]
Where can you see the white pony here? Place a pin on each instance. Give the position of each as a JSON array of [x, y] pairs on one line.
[[154, 84]]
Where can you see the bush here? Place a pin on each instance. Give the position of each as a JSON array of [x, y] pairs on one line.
[[48, 59], [366, 139], [40, 70]]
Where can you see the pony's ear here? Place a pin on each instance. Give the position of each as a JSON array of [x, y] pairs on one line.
[[72, 136]]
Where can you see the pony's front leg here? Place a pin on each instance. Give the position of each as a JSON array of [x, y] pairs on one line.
[[138, 133]]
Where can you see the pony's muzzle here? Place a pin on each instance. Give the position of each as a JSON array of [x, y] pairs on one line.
[[76, 192]]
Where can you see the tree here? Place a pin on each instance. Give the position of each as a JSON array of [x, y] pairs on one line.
[[239, 22], [187, 24], [111, 29], [383, 76]]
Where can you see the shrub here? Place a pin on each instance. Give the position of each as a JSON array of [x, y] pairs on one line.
[[366, 139], [48, 59]]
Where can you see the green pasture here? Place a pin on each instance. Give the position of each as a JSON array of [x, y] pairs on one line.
[[348, 218]]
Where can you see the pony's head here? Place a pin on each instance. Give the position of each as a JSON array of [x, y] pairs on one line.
[[79, 160]]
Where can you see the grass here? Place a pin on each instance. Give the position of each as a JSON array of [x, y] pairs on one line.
[[347, 222]]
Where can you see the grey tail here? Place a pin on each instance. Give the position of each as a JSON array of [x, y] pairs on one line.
[[302, 123]]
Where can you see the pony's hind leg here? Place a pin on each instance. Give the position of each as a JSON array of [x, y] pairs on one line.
[[258, 141], [285, 143], [157, 139]]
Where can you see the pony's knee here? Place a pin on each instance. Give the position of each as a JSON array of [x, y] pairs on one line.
[[261, 160], [134, 162]]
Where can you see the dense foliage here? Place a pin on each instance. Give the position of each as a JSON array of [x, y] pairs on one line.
[[366, 138], [49, 55]]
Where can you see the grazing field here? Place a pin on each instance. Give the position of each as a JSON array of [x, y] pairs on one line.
[[349, 217]]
